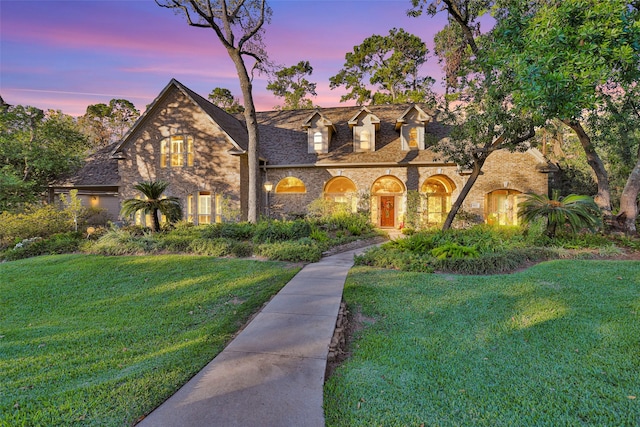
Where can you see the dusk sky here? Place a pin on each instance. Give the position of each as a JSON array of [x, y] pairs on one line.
[[66, 55]]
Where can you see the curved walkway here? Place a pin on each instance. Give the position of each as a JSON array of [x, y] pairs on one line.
[[272, 373]]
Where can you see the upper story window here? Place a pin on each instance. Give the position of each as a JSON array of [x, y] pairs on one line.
[[319, 131], [364, 125], [411, 125], [318, 144], [176, 151]]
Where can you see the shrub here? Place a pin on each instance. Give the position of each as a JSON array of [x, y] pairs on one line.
[[384, 258], [57, 244], [231, 230], [35, 221], [212, 247], [123, 241], [454, 250], [305, 250], [278, 231], [242, 249]]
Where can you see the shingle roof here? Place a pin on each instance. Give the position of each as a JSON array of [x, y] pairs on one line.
[[99, 169], [283, 140]]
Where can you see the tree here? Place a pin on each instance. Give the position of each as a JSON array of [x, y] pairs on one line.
[[224, 99], [571, 56], [154, 203], [238, 24], [104, 124], [486, 121], [291, 84], [389, 63], [36, 147], [574, 210]]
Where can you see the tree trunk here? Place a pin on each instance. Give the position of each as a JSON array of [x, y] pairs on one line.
[[603, 198], [477, 168], [625, 221], [252, 132], [155, 221]]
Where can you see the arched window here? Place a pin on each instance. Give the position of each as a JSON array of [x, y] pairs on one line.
[[290, 185], [341, 190], [437, 199]]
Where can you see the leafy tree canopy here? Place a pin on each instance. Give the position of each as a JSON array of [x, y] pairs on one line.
[[107, 123], [391, 64], [36, 147], [224, 99], [291, 84]]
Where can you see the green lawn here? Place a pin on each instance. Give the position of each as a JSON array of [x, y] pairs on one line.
[[91, 340], [555, 345]]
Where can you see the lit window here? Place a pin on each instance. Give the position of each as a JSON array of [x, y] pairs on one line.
[[174, 149], [413, 138], [317, 142], [204, 208], [437, 204], [365, 140], [291, 185], [218, 208], [190, 208], [341, 190]]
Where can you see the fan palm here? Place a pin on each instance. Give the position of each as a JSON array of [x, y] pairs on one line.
[[154, 203], [575, 210]]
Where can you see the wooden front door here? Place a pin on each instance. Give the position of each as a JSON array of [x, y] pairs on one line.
[[387, 211]]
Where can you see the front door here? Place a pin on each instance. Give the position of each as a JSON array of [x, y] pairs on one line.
[[387, 211]]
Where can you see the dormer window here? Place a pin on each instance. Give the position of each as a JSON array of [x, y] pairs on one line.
[[319, 130], [412, 126], [364, 125], [317, 142]]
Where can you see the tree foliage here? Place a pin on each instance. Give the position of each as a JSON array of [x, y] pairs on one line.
[[224, 99], [239, 26], [107, 123], [575, 211], [390, 64], [36, 147], [153, 203], [290, 83]]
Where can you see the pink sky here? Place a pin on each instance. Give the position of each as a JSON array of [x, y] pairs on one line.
[[67, 55]]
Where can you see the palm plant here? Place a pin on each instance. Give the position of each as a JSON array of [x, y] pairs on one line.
[[154, 203], [575, 210]]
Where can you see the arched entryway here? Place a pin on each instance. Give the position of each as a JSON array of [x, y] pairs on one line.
[[502, 207], [341, 190], [436, 199], [386, 206]]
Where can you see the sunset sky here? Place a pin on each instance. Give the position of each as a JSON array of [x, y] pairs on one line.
[[67, 55]]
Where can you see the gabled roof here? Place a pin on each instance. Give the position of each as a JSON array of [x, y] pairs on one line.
[[231, 126], [422, 116], [323, 120], [364, 111]]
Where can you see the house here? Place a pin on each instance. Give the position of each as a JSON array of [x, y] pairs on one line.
[[373, 158]]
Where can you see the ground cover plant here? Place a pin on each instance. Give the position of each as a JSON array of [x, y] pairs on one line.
[[485, 249], [93, 340], [556, 344]]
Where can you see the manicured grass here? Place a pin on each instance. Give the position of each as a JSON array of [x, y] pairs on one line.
[[555, 345], [91, 340]]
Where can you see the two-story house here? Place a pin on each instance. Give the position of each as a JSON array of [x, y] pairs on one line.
[[366, 157]]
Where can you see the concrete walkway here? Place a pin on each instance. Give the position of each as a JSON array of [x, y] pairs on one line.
[[272, 373]]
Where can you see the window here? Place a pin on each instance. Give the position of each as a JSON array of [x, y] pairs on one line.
[[190, 208], [204, 208], [218, 208], [437, 202], [174, 149], [317, 142], [413, 138], [365, 140], [502, 207], [290, 185], [342, 190]]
